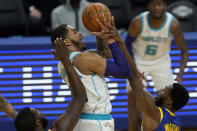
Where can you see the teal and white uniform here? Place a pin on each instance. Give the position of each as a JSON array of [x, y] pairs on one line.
[[96, 112], [151, 50]]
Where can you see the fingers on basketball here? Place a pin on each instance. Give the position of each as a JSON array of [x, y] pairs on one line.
[[93, 12]]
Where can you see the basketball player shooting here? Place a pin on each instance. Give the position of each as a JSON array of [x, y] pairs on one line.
[[92, 70]]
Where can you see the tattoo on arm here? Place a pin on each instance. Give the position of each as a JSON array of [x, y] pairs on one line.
[[102, 48]]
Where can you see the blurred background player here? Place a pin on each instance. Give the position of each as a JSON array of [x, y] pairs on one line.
[[149, 38], [92, 68]]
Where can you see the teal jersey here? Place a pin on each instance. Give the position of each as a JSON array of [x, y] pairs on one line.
[[152, 44]]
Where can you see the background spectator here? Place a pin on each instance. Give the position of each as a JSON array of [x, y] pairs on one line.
[[70, 13], [38, 15]]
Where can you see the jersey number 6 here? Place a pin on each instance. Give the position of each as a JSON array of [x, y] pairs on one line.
[[151, 49]]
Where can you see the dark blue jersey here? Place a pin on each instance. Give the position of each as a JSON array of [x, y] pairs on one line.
[[168, 121]]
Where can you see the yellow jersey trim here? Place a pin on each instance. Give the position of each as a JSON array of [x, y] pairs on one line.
[[142, 126], [172, 114], [161, 113], [161, 118]]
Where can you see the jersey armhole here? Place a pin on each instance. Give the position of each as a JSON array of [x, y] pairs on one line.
[[73, 55], [170, 25], [161, 114], [142, 23]]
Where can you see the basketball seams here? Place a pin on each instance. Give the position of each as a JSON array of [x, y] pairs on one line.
[[100, 17], [90, 21], [91, 13]]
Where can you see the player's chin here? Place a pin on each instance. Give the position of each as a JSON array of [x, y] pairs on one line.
[[83, 48], [157, 15]]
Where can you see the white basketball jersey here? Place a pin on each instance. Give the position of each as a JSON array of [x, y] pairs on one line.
[[96, 89], [153, 44]]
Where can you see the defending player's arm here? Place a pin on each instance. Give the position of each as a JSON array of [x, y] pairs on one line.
[[144, 100], [180, 41], [133, 112], [7, 108], [68, 120]]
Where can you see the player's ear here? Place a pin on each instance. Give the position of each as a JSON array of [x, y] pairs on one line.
[[38, 123], [169, 102], [68, 42]]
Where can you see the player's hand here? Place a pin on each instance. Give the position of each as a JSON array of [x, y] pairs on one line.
[[108, 30], [61, 52], [179, 78]]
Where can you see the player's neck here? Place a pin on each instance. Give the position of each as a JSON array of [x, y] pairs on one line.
[[156, 23], [74, 49]]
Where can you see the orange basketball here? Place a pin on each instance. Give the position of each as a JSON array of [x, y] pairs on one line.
[[92, 12]]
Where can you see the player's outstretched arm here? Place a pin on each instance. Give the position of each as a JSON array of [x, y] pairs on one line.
[[7, 108], [180, 41], [68, 120], [144, 100], [133, 111]]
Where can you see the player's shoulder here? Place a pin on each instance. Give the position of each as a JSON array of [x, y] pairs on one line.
[[86, 57], [175, 26], [141, 15], [58, 9], [135, 26], [137, 20], [171, 17], [89, 53], [169, 14]]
